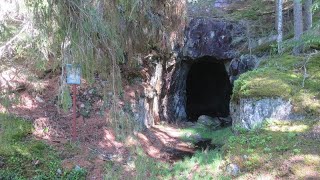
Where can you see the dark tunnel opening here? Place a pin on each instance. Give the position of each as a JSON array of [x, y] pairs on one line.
[[208, 89]]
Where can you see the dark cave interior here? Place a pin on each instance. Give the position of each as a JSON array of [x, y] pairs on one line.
[[208, 89]]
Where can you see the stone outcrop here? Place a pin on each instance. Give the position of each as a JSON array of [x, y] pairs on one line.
[[241, 65], [204, 37], [211, 37], [251, 113]]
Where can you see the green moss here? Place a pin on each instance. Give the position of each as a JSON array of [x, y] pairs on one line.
[[283, 77]]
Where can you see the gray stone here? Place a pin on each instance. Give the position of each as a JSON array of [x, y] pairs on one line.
[[208, 121], [211, 37], [91, 91], [197, 137], [39, 99], [241, 65], [77, 168], [251, 113], [226, 120], [233, 169]]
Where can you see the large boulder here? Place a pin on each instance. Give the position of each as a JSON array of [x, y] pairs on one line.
[[251, 113], [208, 122], [212, 37]]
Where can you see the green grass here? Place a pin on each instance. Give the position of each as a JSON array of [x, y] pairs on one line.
[[27, 158], [282, 76], [259, 153], [217, 136], [270, 147], [202, 165]]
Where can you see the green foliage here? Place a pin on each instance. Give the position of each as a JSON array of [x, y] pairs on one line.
[[112, 171], [7, 30], [123, 124], [208, 164], [97, 34], [25, 157], [217, 136], [66, 99]]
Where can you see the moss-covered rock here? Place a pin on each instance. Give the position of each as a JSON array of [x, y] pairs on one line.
[[295, 78]]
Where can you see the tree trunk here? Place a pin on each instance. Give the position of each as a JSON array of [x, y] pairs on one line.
[[279, 24], [298, 25], [277, 14], [308, 14]]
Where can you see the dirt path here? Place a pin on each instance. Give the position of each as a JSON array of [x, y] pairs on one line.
[[96, 141]]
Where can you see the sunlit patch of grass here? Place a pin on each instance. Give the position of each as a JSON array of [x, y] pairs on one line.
[[306, 167], [25, 157], [277, 144], [312, 159], [218, 136], [203, 165], [261, 151], [288, 126]]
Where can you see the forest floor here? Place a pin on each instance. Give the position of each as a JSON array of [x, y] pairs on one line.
[[38, 144], [96, 143]]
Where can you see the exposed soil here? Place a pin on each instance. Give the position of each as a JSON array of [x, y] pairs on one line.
[[96, 142]]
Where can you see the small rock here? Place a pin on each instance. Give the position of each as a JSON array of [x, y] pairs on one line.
[[90, 91], [189, 124], [39, 99], [245, 157], [226, 119], [36, 162], [197, 137], [208, 121], [59, 171], [77, 168], [233, 169]]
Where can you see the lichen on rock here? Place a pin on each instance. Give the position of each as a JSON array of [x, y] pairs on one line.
[[251, 113]]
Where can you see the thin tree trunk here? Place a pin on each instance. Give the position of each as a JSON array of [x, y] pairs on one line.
[[279, 25], [298, 25], [277, 14], [308, 14]]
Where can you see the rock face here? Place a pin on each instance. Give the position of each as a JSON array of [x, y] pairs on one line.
[[210, 37], [165, 84], [241, 65], [218, 40], [251, 113]]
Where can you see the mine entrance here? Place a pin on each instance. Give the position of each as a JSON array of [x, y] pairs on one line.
[[208, 89]]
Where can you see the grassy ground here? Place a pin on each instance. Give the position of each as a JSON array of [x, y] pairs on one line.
[[280, 150], [23, 157]]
